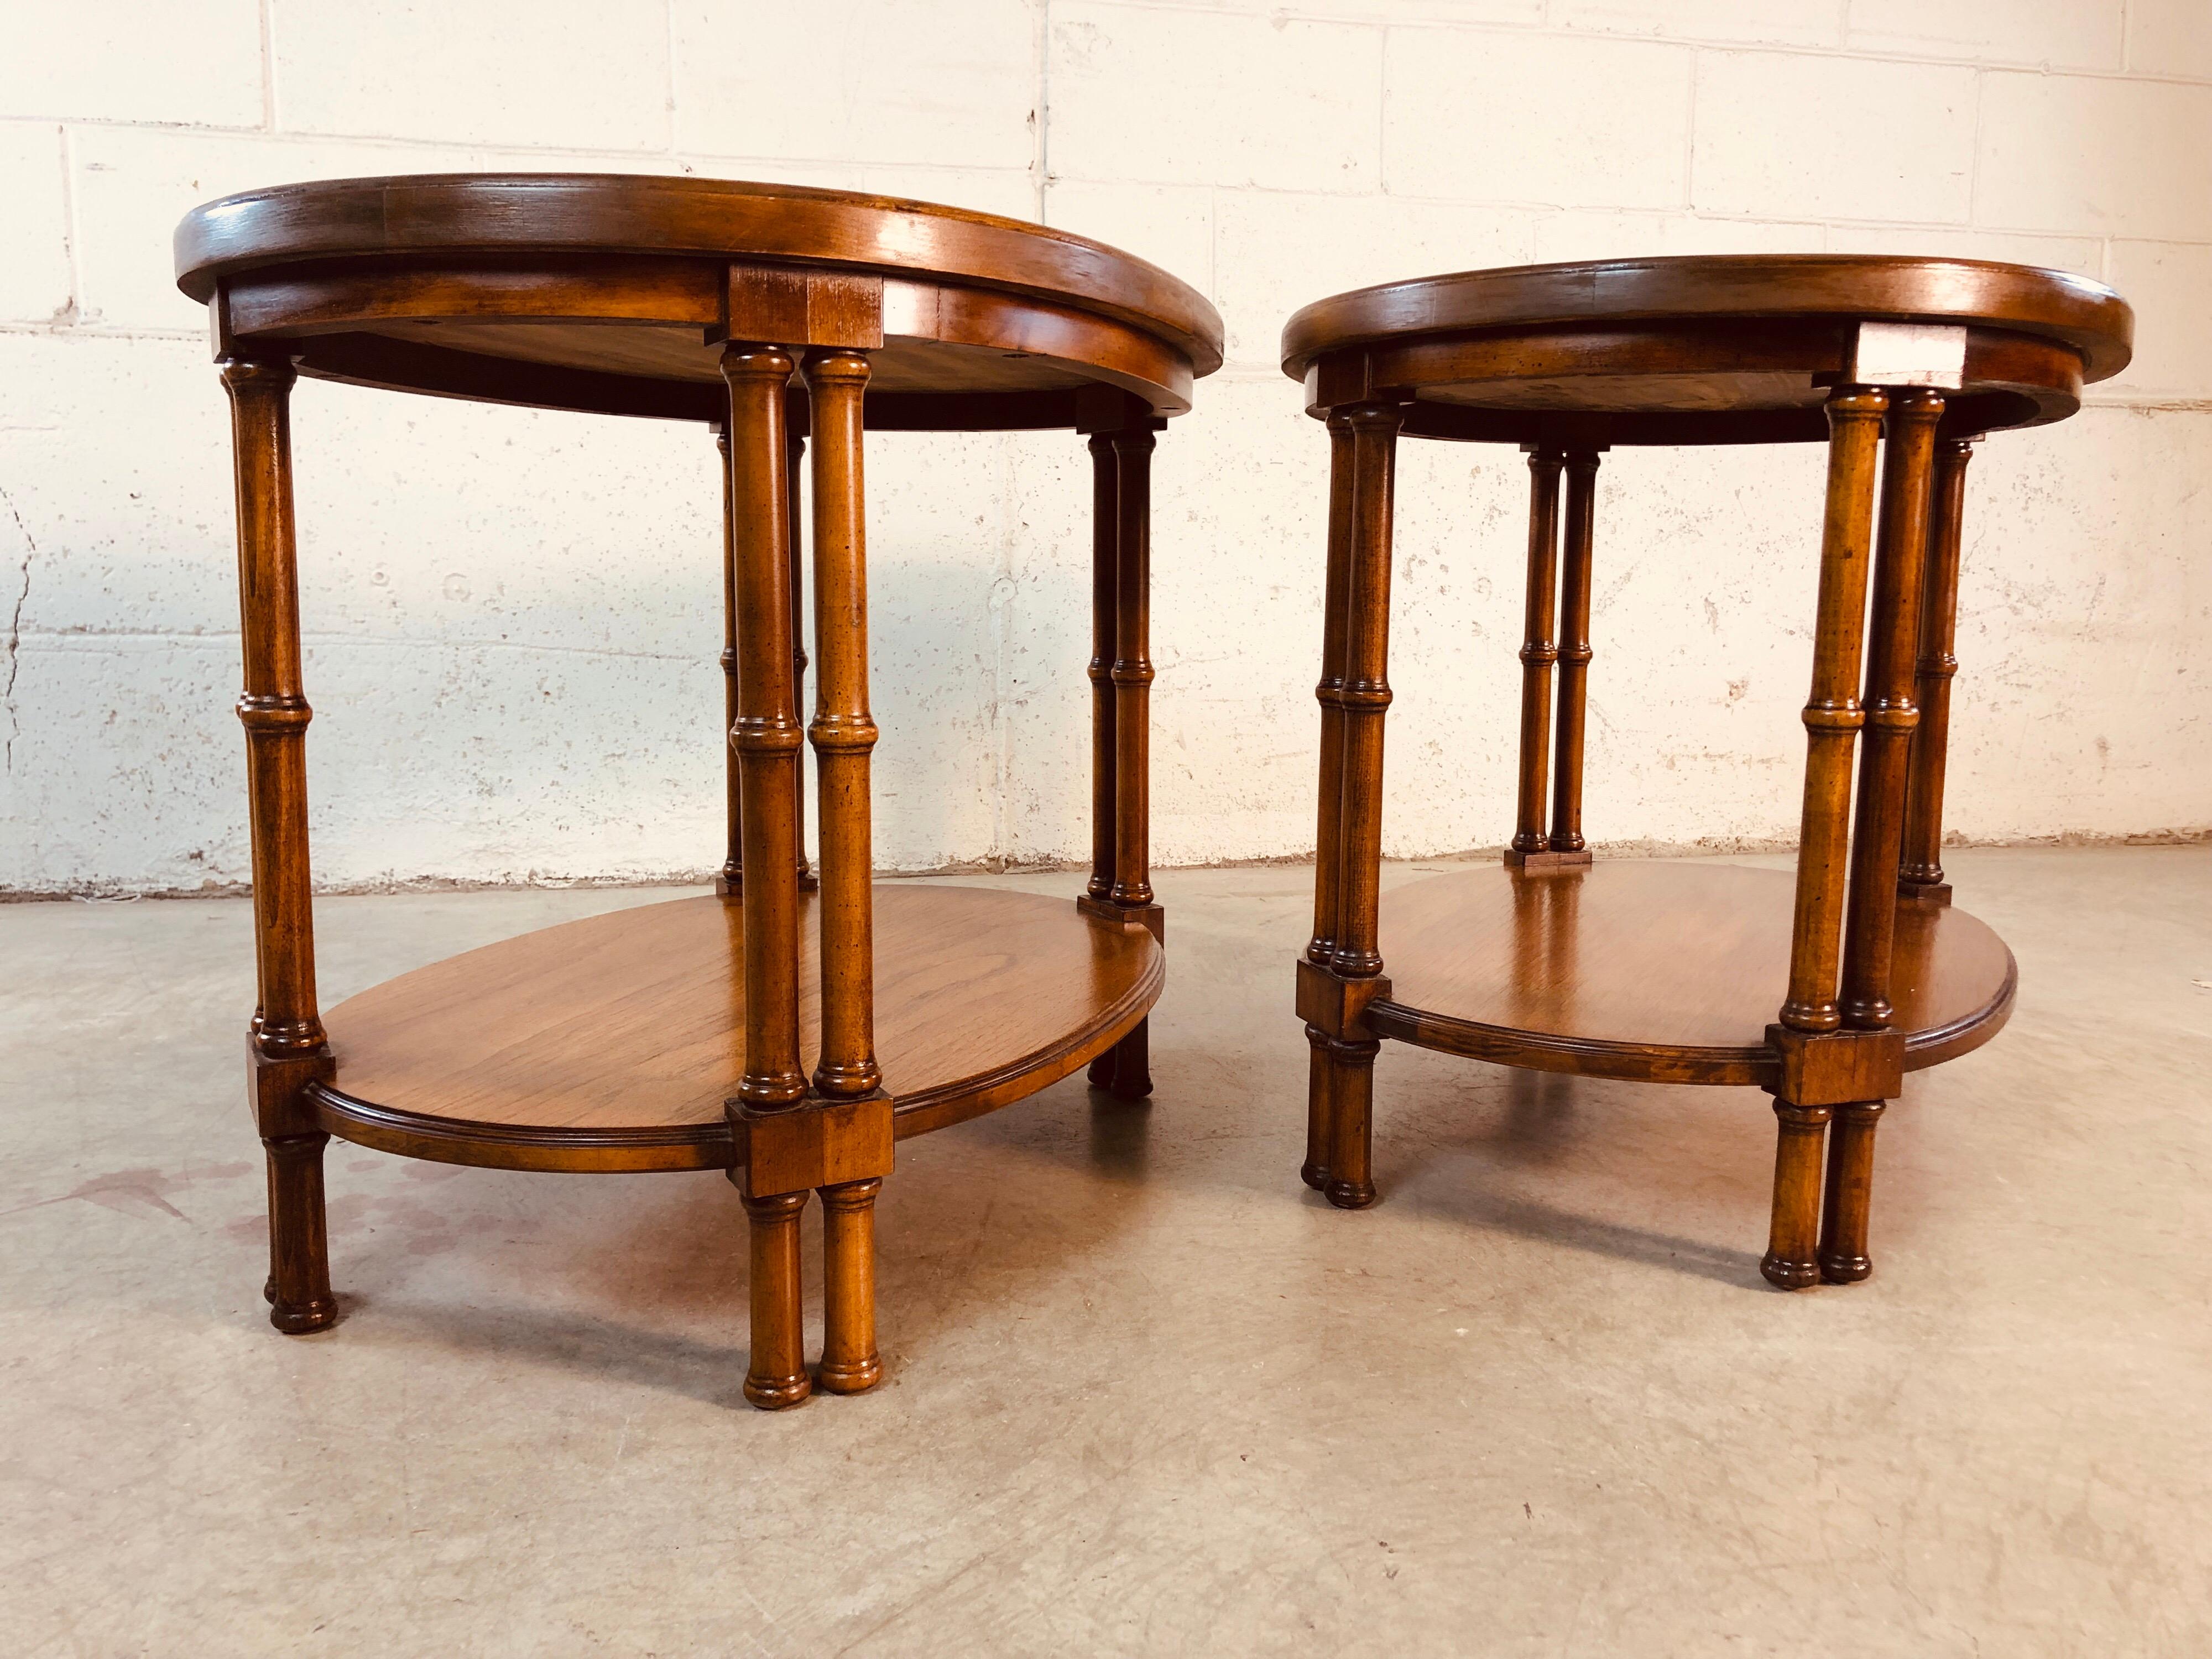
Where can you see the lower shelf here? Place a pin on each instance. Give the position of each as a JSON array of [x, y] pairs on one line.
[[611, 1043], [1653, 971]]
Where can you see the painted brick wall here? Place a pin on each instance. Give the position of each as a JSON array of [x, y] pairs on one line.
[[514, 617]]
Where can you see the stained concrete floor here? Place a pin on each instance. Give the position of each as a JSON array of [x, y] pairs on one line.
[[1146, 1394]]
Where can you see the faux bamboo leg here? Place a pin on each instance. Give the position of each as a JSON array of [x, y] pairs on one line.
[[1921, 872], [1832, 719], [1105, 536], [1833, 716], [1132, 672], [1329, 830], [286, 1041], [766, 735], [1363, 700], [1566, 835], [1851, 1188], [1791, 1240], [1538, 650], [1891, 712], [776, 1377], [850, 1364], [1335, 626], [1891, 716], [794, 457], [1124, 1070], [730, 879], [843, 731]]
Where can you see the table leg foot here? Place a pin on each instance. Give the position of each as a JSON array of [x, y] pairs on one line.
[[776, 1378], [1351, 1088], [1843, 1258], [298, 1288], [1789, 1261], [1124, 1070]]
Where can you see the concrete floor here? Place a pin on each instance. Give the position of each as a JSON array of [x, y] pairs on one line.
[[1146, 1393]]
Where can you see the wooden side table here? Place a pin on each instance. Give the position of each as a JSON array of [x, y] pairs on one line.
[[740, 1032], [1655, 972]]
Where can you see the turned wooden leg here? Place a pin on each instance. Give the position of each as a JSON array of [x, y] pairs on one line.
[[286, 1048], [1790, 1261], [1567, 836], [1364, 696], [1921, 874], [1850, 1192], [1891, 712], [1320, 1112], [794, 455], [1350, 1184], [1360, 693], [776, 1377], [767, 737], [1833, 716], [299, 1287], [850, 1364], [1335, 630], [730, 879], [1122, 717], [1538, 650]]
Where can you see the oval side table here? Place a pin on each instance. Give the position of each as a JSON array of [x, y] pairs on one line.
[[1824, 990], [790, 1028]]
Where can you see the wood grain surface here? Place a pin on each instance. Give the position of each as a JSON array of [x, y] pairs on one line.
[[613, 293], [1741, 348], [1654, 970], [612, 1043]]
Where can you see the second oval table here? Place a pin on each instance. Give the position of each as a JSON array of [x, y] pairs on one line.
[[790, 1030], [1655, 972]]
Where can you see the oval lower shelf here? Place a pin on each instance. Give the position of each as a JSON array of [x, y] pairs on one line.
[[610, 1043], [1652, 971]]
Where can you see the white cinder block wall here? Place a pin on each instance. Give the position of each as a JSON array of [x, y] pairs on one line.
[[514, 617]]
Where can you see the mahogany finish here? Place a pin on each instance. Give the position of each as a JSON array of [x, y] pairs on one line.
[[1669, 973], [742, 1032]]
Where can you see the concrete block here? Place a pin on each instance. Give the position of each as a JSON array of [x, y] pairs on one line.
[[2168, 283], [567, 74], [1171, 225], [1745, 22], [1274, 253], [2170, 37], [1502, 118], [189, 62], [1596, 234], [34, 278], [2074, 153], [1190, 97], [1789, 135], [2064, 33], [134, 184], [858, 80], [2083, 255]]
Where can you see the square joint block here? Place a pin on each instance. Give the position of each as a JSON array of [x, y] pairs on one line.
[[822, 1143], [276, 1091], [1149, 917], [1338, 1005], [1537, 863], [1835, 1068], [776, 305]]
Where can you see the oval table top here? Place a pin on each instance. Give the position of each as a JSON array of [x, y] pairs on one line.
[[611, 292], [1717, 348]]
